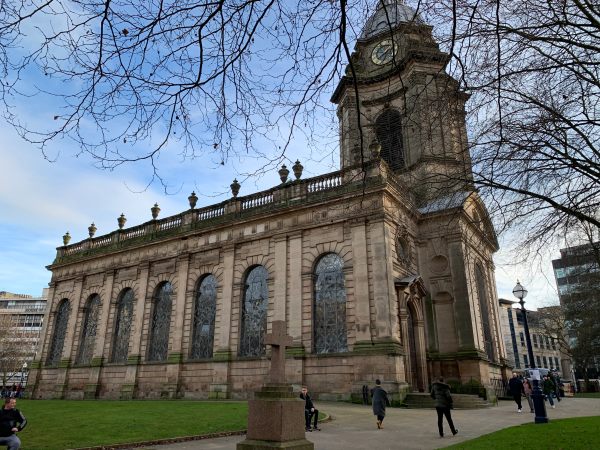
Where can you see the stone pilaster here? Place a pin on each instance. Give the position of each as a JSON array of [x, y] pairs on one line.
[[129, 385], [220, 386], [462, 304], [383, 287], [362, 315], [175, 353], [91, 388], [62, 375], [280, 285]]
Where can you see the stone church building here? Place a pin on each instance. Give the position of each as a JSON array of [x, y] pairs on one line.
[[382, 269]]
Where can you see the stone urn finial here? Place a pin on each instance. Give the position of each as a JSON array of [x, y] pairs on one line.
[[193, 199], [297, 168], [121, 221], [66, 238], [92, 230], [375, 149], [155, 210], [235, 187], [283, 173]]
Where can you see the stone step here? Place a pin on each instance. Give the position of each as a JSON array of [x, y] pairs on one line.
[[460, 401]]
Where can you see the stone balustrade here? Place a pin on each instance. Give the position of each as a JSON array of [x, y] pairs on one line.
[[237, 207]]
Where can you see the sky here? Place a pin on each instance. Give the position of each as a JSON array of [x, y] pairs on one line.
[[41, 200]]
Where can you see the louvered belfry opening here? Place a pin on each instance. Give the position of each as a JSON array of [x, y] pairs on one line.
[[389, 134]]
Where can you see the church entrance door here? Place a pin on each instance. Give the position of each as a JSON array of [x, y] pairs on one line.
[[413, 373]]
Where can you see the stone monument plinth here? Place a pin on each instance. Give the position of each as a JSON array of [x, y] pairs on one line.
[[276, 414]]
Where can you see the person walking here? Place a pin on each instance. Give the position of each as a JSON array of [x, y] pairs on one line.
[[11, 422], [548, 389], [309, 410], [528, 390], [440, 392], [515, 387], [380, 401], [556, 380]]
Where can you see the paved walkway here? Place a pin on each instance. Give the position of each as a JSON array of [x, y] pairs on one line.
[[353, 426]]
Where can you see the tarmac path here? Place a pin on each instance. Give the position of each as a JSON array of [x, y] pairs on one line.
[[353, 426]]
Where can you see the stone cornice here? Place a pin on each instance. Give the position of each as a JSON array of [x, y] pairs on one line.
[[281, 200], [428, 55]]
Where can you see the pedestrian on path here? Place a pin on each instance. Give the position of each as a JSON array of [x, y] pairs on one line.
[[440, 392], [528, 389], [548, 388], [515, 386], [556, 380], [380, 401]]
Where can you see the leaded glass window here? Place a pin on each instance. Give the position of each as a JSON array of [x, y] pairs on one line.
[[161, 323], [485, 314], [60, 331], [204, 318], [330, 305], [124, 316], [88, 332], [389, 134], [254, 313]]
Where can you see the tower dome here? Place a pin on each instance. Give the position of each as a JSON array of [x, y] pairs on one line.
[[389, 14]]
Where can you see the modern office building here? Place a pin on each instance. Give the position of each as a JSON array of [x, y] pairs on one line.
[[22, 317], [577, 274], [576, 269]]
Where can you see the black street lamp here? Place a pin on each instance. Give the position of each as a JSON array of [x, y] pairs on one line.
[[537, 395], [23, 369]]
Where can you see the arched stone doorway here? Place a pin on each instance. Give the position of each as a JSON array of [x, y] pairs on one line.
[[410, 293], [412, 366]]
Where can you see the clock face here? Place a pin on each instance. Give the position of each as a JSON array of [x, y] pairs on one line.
[[384, 52]]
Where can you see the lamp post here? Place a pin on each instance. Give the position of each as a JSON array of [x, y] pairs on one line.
[[23, 369], [537, 396]]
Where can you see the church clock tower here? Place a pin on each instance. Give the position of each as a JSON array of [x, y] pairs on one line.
[[395, 92]]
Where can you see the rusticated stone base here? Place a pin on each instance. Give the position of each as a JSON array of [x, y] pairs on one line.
[[275, 420]]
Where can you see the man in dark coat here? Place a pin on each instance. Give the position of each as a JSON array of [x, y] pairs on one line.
[[440, 392], [11, 422], [515, 387], [548, 389], [309, 410], [556, 380], [380, 401]]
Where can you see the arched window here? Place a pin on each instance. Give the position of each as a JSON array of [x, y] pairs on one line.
[[254, 313], [204, 318], [389, 134], [330, 305], [88, 332], [60, 331], [485, 313], [161, 323], [123, 319]]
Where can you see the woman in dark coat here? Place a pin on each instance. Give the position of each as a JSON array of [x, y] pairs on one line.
[[440, 392], [380, 401]]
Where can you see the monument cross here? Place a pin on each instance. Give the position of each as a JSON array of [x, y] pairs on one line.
[[278, 340]]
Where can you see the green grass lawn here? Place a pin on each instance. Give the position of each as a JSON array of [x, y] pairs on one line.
[[588, 395], [567, 434], [60, 424]]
